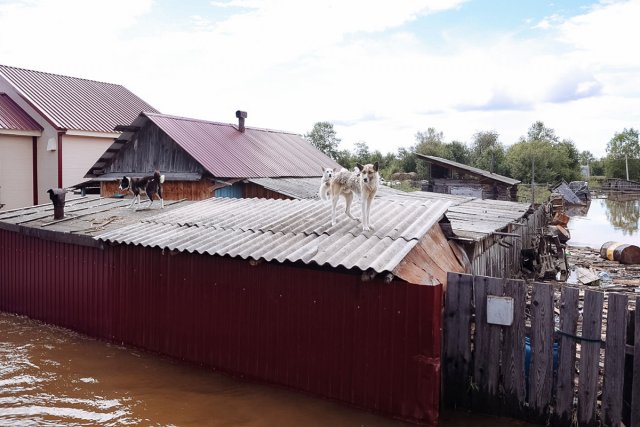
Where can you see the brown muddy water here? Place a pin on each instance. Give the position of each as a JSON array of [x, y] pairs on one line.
[[51, 376]]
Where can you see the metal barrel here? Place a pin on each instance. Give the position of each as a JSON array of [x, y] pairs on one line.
[[624, 253]]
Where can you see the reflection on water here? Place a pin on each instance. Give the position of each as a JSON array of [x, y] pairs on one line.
[[50, 377], [615, 218]]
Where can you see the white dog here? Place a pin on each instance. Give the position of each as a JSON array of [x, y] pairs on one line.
[[323, 191], [364, 183]]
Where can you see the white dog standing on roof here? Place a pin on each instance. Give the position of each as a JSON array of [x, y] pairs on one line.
[[347, 183], [325, 181]]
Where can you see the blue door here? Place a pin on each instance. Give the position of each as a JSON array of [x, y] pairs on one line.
[[231, 191]]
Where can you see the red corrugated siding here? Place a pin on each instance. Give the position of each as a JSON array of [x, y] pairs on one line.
[[12, 117], [372, 345]]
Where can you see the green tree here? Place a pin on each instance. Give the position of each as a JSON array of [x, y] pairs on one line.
[[488, 153], [554, 160], [623, 144], [324, 138], [458, 152], [586, 157], [429, 143]]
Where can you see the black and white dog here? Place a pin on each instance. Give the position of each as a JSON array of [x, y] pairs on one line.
[[150, 184]]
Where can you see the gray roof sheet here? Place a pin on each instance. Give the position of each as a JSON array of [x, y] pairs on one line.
[[288, 230], [469, 169]]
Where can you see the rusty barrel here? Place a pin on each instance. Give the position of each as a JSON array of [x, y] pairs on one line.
[[624, 253]]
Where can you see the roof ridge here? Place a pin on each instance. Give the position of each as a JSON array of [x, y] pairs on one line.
[[59, 75], [192, 119]]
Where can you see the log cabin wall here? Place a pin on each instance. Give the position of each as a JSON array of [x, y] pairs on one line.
[[153, 149]]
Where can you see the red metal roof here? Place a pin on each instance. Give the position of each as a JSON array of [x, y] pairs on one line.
[[256, 153], [74, 103], [12, 117]]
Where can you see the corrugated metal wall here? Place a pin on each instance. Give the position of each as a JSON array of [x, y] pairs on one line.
[[372, 345]]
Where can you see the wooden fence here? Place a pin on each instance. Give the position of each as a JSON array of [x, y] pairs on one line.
[[551, 365]]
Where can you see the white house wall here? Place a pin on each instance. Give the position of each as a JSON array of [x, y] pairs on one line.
[[79, 153], [16, 171]]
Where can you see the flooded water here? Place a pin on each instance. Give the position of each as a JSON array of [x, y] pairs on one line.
[[50, 376], [607, 219]]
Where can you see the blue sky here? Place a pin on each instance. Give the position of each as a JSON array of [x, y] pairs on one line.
[[380, 71]]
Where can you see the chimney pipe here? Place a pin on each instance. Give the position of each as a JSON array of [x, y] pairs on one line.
[[57, 196], [241, 115]]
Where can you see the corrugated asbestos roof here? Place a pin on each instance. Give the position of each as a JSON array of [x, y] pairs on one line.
[[288, 230], [12, 117], [470, 217], [256, 153], [469, 169], [74, 103]]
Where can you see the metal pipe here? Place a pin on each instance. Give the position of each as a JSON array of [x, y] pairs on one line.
[[34, 166], [59, 148]]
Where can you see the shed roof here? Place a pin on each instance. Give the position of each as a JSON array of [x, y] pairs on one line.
[[225, 152], [407, 240], [468, 169], [12, 117], [287, 230], [470, 217], [73, 103]]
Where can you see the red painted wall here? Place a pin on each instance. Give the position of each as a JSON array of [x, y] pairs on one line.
[[372, 345]]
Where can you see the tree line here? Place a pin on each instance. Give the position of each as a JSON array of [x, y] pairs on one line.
[[550, 157]]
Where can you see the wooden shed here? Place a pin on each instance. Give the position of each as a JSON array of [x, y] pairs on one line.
[[202, 159], [449, 177]]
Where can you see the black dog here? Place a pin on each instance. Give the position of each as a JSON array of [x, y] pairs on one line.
[[150, 184]]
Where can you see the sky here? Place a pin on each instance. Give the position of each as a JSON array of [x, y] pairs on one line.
[[380, 71]]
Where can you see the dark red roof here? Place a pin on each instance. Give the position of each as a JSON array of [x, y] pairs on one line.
[[12, 117], [256, 153], [73, 103]]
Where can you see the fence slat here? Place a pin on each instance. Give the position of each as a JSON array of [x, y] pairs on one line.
[[563, 413], [589, 358], [457, 339], [541, 368], [513, 349], [635, 393], [487, 343], [614, 360]]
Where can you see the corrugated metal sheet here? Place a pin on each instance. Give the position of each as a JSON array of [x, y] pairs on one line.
[[288, 230], [372, 345], [74, 103], [297, 188], [12, 117], [256, 153], [469, 169]]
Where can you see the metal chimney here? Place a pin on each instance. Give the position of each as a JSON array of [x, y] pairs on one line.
[[241, 115], [57, 196]]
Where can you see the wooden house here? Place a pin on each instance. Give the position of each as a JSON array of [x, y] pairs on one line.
[[449, 177], [53, 128], [202, 159]]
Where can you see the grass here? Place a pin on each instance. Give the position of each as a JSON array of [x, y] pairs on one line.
[[542, 193]]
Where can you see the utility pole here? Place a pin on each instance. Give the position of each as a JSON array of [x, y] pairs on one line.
[[626, 165], [533, 188]]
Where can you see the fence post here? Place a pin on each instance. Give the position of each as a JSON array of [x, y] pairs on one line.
[[541, 367], [513, 349], [563, 411], [612, 390], [589, 358], [456, 370], [635, 392]]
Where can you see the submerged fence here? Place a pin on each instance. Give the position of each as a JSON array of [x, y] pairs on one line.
[[549, 362]]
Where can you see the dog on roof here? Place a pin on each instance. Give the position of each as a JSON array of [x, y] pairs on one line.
[[152, 185], [363, 183]]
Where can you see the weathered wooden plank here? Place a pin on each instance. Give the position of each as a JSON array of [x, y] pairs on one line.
[[635, 393], [487, 344], [456, 368], [614, 359], [563, 413], [513, 349], [541, 368], [589, 358]]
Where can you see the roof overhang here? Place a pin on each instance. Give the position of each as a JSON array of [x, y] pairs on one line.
[[93, 134], [20, 132]]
